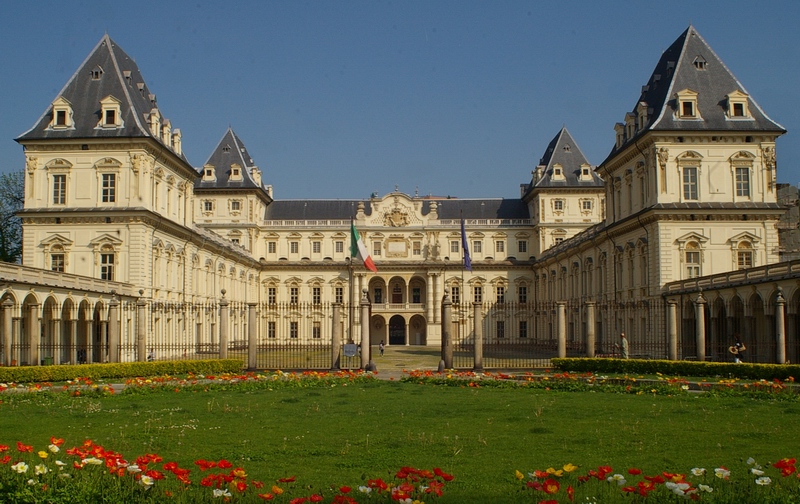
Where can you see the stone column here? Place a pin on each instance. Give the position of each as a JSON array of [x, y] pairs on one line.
[[57, 341], [223, 326], [447, 332], [35, 335], [113, 329], [366, 362], [73, 339], [252, 337], [8, 331], [478, 343], [429, 302], [700, 331], [407, 336], [672, 328], [561, 324], [780, 328], [590, 329], [89, 340], [141, 328], [336, 337], [103, 340]]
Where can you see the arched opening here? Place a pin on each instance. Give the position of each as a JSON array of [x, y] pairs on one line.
[[397, 330], [417, 331], [377, 332]]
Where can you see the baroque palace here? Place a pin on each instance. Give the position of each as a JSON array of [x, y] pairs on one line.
[[687, 190]]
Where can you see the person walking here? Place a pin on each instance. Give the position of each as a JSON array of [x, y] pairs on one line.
[[622, 346], [737, 349]]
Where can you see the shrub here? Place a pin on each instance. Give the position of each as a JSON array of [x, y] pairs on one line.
[[678, 368]]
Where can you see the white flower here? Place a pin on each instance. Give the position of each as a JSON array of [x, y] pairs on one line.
[[60, 464], [705, 488], [146, 481], [721, 472], [219, 492], [65, 475], [763, 480], [685, 387], [53, 448], [751, 461], [133, 468], [31, 482], [92, 461], [40, 469], [364, 489], [698, 471], [20, 467], [757, 472], [618, 478]]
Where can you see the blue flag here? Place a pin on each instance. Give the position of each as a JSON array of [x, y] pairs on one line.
[[467, 261]]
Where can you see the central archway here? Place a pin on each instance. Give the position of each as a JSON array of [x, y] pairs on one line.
[[397, 330]]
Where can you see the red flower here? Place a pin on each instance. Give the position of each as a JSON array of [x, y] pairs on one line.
[[224, 464], [56, 441], [551, 486], [266, 496], [3, 448], [156, 475], [170, 466], [377, 483], [290, 479], [298, 500], [603, 471], [551, 501], [205, 464], [315, 498], [655, 479], [633, 471], [257, 484], [534, 484], [345, 489], [435, 487], [442, 474], [241, 486], [24, 448], [5, 460], [571, 493]]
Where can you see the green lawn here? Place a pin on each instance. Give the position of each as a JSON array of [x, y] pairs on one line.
[[342, 434]]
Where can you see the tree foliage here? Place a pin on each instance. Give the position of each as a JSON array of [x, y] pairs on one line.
[[12, 199]]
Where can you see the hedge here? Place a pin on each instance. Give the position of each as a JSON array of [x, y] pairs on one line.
[[60, 373], [678, 368]]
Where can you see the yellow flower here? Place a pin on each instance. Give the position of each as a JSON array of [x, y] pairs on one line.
[[519, 475], [570, 467], [277, 490], [42, 454], [552, 471]]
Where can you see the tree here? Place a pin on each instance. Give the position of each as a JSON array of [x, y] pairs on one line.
[[12, 199]]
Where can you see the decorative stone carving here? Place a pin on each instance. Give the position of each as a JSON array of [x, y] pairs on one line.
[[396, 217], [31, 163]]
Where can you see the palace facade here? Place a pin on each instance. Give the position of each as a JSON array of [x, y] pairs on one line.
[[687, 190]]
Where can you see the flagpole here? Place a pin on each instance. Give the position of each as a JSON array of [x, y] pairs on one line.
[[350, 306]]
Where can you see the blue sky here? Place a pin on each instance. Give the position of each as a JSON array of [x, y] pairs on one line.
[[342, 99]]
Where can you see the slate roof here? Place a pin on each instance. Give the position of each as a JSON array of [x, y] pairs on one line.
[[447, 209], [119, 77], [230, 150], [564, 150], [676, 71]]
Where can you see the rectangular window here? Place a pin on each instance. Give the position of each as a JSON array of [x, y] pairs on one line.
[[501, 329], [111, 117], [59, 189], [272, 295], [455, 246], [376, 248], [416, 248], [586, 205], [271, 329], [692, 264], [477, 294], [294, 247], [558, 239], [272, 247], [500, 291], [690, 183], [339, 245], [61, 118], [456, 294], [316, 247], [523, 328], [107, 266], [316, 295], [316, 330], [522, 294], [57, 262], [339, 294], [378, 295], [416, 295], [477, 247], [294, 295], [522, 246], [109, 187], [743, 182], [499, 246], [558, 205], [208, 206], [293, 330], [738, 109], [745, 259], [235, 206], [687, 109]]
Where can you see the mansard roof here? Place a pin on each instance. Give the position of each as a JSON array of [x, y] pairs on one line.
[[563, 151], [107, 71], [453, 208], [230, 151], [690, 64]]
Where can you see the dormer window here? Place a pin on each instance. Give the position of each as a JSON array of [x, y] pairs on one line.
[[687, 104], [62, 115], [699, 63], [737, 106], [236, 172], [558, 172], [97, 72], [209, 174], [586, 172], [110, 113]]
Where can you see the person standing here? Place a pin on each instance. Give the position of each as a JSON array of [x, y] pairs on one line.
[[623, 346], [382, 347], [737, 349]]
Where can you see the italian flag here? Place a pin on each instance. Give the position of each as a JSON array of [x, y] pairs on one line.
[[358, 249]]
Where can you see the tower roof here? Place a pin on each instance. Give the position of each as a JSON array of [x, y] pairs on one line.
[[230, 152], [563, 152], [107, 71], [690, 64]]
